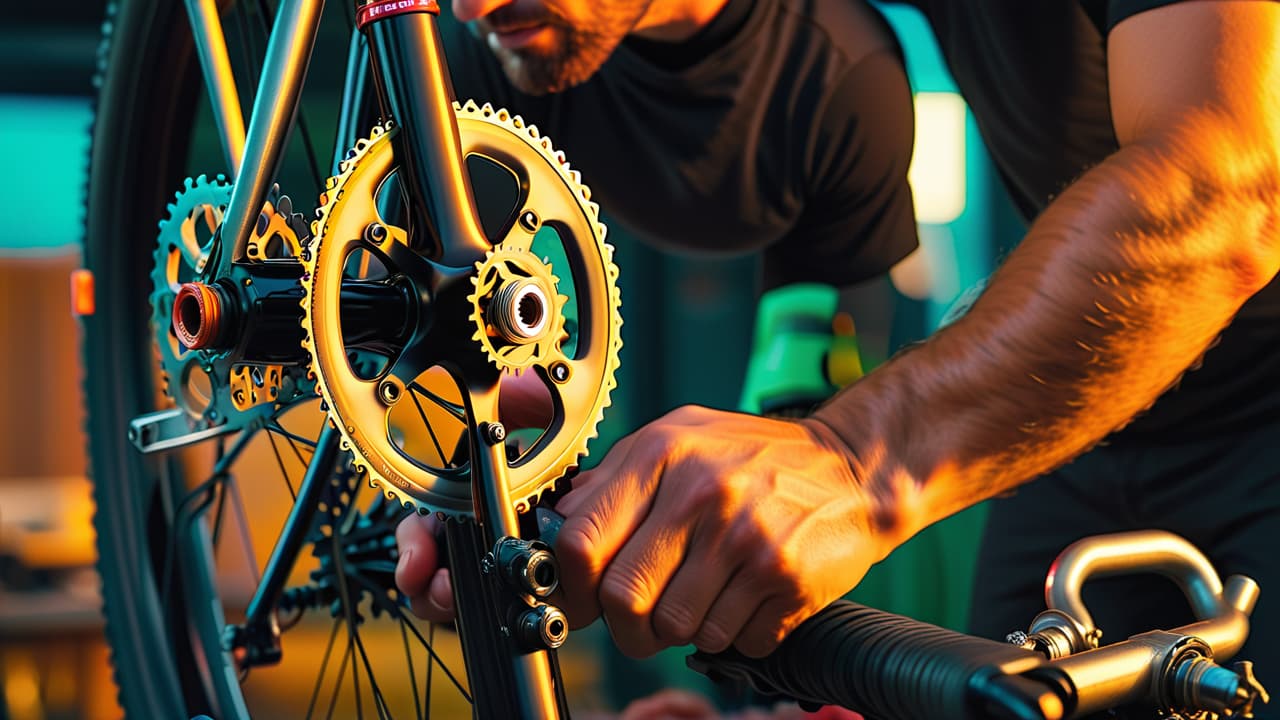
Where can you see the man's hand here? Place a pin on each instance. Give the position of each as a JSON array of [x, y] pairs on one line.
[[705, 527], [715, 528], [418, 572]]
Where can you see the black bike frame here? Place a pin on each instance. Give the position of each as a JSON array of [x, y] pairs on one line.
[[412, 86]]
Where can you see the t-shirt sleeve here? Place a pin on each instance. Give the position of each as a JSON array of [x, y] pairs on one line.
[[1108, 13], [858, 218]]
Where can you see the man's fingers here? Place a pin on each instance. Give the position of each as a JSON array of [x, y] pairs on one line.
[[584, 482], [418, 572], [596, 527], [690, 594], [729, 614], [636, 579], [762, 634], [436, 603], [419, 554]]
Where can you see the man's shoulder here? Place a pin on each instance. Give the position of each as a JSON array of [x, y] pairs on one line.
[[854, 28]]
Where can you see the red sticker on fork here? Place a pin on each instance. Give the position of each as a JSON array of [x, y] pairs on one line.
[[382, 9]]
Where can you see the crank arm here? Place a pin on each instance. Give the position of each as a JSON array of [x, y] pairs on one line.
[[170, 430]]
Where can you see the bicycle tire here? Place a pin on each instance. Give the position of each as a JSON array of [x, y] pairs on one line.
[[140, 100]]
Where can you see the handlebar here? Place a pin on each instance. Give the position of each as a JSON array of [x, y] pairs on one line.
[[890, 667]]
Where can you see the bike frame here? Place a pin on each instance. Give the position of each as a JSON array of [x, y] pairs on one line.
[[397, 43], [397, 46]]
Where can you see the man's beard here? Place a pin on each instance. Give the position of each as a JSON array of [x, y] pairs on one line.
[[576, 58], [578, 52]]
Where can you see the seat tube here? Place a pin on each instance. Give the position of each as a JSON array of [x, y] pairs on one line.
[[275, 105], [414, 89]]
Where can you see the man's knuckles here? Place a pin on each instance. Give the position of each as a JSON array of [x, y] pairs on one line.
[[674, 622]]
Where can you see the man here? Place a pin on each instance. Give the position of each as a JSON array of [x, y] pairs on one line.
[[1143, 138], [798, 151], [1135, 99]]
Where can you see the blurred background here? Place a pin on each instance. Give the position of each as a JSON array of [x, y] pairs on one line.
[[688, 326]]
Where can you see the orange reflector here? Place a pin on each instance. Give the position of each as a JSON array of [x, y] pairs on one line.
[[81, 292]]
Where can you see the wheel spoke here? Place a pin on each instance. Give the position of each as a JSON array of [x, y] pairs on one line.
[[413, 680], [324, 667], [284, 472], [454, 409], [431, 651], [245, 539], [379, 701], [348, 610], [431, 662], [427, 424], [355, 672], [295, 439], [337, 685], [218, 514]]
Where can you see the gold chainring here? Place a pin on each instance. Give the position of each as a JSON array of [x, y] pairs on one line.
[[414, 446]]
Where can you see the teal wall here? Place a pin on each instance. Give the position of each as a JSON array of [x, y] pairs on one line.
[[45, 141]]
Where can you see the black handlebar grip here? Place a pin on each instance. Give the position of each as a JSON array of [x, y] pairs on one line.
[[885, 666]]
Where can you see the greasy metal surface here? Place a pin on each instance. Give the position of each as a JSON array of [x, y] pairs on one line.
[[212, 388], [1139, 669]]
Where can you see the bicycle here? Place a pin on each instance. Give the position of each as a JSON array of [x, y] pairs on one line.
[[366, 351]]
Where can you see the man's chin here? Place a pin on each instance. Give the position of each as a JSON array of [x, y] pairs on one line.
[[530, 79]]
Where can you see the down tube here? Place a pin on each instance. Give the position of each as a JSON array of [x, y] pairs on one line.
[[414, 88], [413, 85]]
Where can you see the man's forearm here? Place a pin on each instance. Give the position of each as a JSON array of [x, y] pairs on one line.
[[1119, 286]]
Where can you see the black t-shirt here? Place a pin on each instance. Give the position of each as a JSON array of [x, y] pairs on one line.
[[1034, 74], [785, 127]]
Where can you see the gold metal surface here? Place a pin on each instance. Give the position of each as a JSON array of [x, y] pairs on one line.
[[253, 385], [1122, 553], [552, 189], [499, 280]]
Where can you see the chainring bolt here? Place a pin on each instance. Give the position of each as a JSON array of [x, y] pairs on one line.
[[375, 233], [495, 433], [529, 221], [389, 392], [560, 372]]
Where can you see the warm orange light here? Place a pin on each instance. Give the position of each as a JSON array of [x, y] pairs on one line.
[[82, 292]]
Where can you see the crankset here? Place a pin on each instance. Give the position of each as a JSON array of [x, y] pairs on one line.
[[534, 321]]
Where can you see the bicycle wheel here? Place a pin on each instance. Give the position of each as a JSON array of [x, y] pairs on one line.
[[182, 534]]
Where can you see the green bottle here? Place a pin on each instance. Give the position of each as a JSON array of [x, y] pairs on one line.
[[802, 351]]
